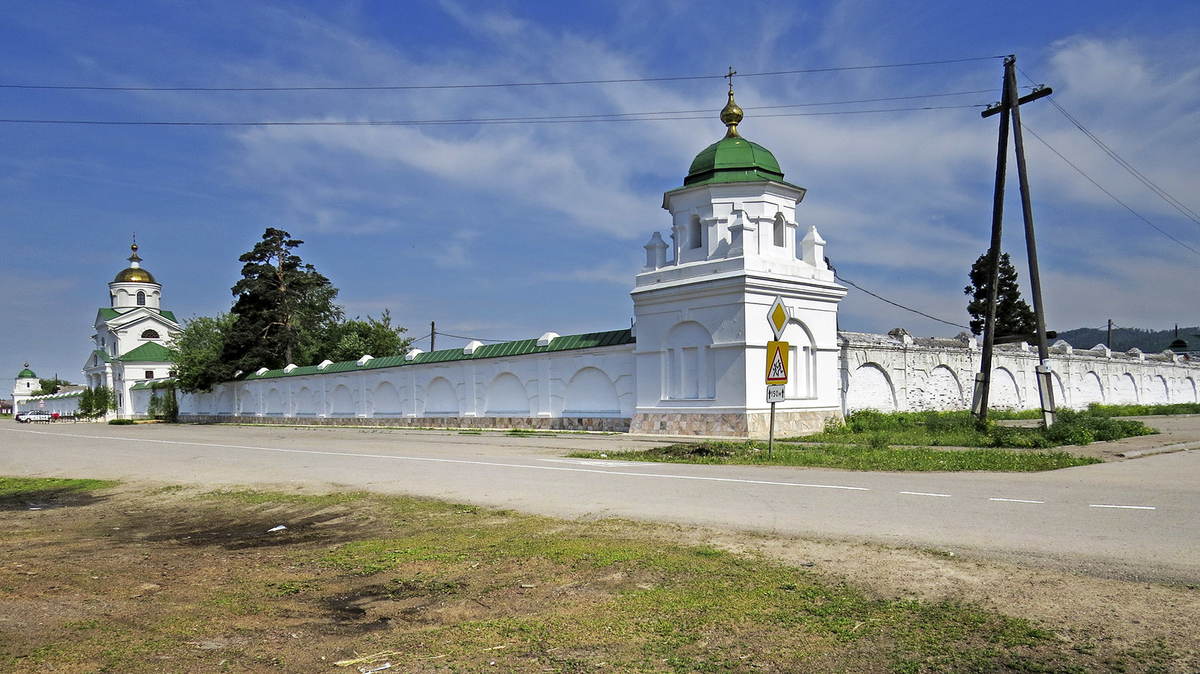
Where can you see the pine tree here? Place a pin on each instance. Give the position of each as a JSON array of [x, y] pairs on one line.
[[1013, 315], [283, 307]]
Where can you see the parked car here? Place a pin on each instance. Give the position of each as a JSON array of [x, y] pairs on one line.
[[34, 415]]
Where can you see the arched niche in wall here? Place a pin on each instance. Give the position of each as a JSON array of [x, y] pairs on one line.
[[506, 396], [224, 401], [690, 363], [1157, 392], [440, 399], [1004, 393], [274, 402], [1189, 390], [1125, 390], [591, 393], [387, 400], [802, 361], [245, 402], [941, 391], [1090, 390], [1060, 391], [341, 402], [870, 388], [306, 402]]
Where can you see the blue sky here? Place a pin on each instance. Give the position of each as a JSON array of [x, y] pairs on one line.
[[505, 231]]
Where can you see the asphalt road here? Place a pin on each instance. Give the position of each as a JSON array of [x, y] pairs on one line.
[[1137, 518]]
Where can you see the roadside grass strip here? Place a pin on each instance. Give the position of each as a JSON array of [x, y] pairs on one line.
[[191, 583], [850, 457], [960, 429]]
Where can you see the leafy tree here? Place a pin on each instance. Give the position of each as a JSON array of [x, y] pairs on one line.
[[1013, 315], [96, 402], [283, 306], [198, 352], [164, 404], [49, 386], [351, 340]]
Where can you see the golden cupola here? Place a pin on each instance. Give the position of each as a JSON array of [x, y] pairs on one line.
[[134, 273]]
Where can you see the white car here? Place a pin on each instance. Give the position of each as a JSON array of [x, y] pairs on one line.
[[34, 415]]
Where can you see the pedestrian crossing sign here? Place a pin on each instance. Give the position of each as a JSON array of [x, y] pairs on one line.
[[777, 363]]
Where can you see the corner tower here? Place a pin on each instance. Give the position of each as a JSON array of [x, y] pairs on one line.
[[702, 328]]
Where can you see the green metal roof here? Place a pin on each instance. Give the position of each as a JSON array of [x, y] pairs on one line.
[[26, 374], [150, 352], [518, 348], [104, 357], [108, 313], [733, 160]]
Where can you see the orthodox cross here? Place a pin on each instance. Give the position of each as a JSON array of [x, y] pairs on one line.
[[729, 77]]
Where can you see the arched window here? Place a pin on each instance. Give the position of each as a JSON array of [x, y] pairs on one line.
[[695, 236], [150, 334], [141, 299], [780, 231]]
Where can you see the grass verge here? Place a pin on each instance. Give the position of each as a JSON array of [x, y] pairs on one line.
[[851, 457], [959, 429], [437, 587]]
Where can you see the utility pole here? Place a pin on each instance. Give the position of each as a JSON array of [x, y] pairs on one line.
[[1009, 109], [1108, 340], [432, 335]]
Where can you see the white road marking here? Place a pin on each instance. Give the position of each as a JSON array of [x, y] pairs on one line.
[[393, 457], [1015, 500], [1124, 507], [921, 493], [602, 463]]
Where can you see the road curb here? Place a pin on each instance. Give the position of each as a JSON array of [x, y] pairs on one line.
[[1166, 449]]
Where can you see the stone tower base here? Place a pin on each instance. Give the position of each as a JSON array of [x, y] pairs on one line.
[[734, 424]]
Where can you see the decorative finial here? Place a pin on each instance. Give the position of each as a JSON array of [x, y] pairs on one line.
[[26, 365], [731, 114], [134, 259]]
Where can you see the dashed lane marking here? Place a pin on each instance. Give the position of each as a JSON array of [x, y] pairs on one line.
[[921, 493], [1122, 507], [1015, 500]]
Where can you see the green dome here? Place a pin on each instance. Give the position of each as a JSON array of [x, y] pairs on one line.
[[733, 159], [26, 373]]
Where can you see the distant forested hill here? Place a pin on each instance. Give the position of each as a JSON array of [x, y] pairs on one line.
[[1124, 339]]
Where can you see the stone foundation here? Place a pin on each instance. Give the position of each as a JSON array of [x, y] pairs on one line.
[[601, 424], [734, 424]]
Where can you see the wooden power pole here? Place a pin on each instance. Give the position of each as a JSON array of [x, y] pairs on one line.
[[1010, 113]]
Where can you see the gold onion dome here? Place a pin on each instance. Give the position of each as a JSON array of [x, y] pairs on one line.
[[733, 159], [731, 114], [134, 273]]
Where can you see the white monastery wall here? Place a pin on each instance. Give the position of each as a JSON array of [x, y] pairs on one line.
[[585, 389], [895, 372]]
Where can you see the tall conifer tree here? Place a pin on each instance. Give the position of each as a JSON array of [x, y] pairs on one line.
[[1013, 315], [283, 307]]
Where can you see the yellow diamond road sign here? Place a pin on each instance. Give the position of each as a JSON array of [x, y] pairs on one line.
[[777, 316]]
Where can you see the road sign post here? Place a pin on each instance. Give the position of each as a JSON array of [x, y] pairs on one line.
[[777, 377]]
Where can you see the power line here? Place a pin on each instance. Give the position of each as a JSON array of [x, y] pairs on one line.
[[1110, 194], [1161, 193], [471, 339], [897, 304], [493, 85], [562, 119]]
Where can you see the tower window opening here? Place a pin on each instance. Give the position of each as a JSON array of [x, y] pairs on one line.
[[695, 239], [141, 299], [780, 232]]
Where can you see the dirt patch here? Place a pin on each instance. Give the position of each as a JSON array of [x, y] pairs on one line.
[[154, 580]]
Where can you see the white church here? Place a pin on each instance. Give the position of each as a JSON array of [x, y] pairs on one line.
[[694, 363]]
